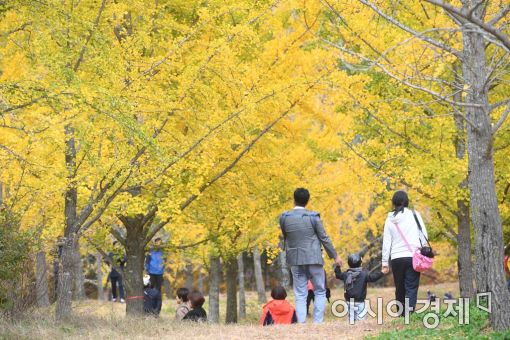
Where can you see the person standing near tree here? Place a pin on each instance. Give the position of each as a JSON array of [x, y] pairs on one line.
[[155, 264], [117, 261], [303, 235]]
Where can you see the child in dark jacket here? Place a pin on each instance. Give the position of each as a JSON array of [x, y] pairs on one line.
[[355, 286], [279, 310], [151, 297], [197, 313]]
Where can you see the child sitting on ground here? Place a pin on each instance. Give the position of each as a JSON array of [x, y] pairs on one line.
[[355, 286], [151, 297], [279, 310], [182, 303], [197, 313]]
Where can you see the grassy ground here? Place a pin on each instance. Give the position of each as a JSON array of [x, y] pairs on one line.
[[106, 320]]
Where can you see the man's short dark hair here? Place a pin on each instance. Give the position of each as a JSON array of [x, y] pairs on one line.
[[196, 299], [157, 239], [182, 293], [278, 293], [301, 197]]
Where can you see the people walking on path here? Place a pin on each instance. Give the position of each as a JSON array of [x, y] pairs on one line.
[[355, 286], [304, 234], [401, 232]]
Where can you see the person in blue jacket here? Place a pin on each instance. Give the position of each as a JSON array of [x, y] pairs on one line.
[[155, 264]]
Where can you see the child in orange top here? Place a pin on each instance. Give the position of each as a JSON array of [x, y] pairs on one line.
[[279, 310]]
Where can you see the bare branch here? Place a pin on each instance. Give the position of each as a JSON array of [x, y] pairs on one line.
[[118, 236], [397, 23], [17, 29], [443, 98], [98, 248], [89, 37], [501, 120], [504, 11], [378, 168], [18, 157], [502, 37]]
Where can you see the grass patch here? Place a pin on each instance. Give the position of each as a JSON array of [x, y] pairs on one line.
[[449, 328]]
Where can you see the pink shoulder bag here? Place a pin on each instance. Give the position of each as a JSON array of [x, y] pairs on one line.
[[420, 262]]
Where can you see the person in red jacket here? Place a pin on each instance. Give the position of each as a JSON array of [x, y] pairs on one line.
[[278, 310]]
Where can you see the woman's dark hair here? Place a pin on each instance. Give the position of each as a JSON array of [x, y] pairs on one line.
[[301, 197], [278, 293], [196, 299], [400, 201], [182, 293]]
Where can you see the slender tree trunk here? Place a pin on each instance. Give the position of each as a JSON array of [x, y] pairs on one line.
[[242, 295], [99, 271], [43, 299], [189, 274], [214, 289], [284, 269], [231, 278], [167, 289], [490, 275], [78, 277], [464, 261], [200, 283], [259, 280], [66, 266]]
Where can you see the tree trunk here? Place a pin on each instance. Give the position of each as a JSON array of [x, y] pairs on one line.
[[231, 278], [99, 271], [65, 281], [284, 269], [189, 274], [41, 283], [133, 273], [200, 283], [168, 289], [214, 289], [242, 295], [259, 280], [490, 275], [464, 262], [78, 277], [66, 265]]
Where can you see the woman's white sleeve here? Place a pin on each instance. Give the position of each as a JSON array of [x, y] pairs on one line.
[[386, 246]]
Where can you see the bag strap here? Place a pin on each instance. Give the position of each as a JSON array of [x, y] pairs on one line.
[[403, 237], [421, 230]]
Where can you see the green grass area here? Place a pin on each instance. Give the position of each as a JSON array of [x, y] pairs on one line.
[[448, 328]]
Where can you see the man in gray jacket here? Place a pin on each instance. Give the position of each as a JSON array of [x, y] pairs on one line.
[[304, 233]]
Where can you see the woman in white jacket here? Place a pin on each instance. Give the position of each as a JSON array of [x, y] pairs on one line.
[[394, 246]]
